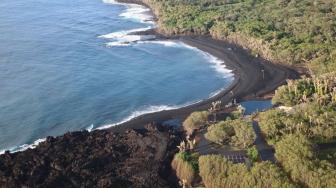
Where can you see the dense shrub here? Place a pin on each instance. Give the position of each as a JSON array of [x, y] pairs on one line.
[[253, 153], [314, 120], [313, 113], [220, 133], [320, 89], [218, 172], [296, 154], [271, 123], [236, 132], [195, 121], [185, 165]]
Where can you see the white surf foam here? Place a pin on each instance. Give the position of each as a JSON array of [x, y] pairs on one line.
[[24, 146], [134, 12], [111, 2], [167, 43], [123, 33], [138, 12], [89, 128], [146, 110], [125, 37], [217, 64], [34, 144]]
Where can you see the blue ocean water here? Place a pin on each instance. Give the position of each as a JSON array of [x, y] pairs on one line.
[[69, 65]]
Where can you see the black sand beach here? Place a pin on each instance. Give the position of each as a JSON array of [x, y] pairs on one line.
[[254, 78]]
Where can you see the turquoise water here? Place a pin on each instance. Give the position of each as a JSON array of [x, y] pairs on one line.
[[69, 65]]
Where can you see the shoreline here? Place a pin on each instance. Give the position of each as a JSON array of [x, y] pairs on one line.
[[248, 82], [253, 77], [235, 58]]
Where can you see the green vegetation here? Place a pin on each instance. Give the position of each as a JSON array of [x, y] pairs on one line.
[[186, 166], [286, 31], [196, 120], [313, 113], [295, 131], [220, 133], [297, 156], [253, 153], [316, 121], [320, 89], [236, 132], [217, 171], [239, 113], [272, 123]]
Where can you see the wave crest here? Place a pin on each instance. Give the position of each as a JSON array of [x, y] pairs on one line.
[[146, 110], [125, 37], [24, 146], [216, 63], [134, 12]]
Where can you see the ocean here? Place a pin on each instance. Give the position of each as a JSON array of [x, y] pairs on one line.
[[75, 65]]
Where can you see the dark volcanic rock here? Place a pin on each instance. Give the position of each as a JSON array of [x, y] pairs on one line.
[[97, 159]]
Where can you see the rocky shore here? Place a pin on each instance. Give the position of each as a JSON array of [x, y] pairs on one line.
[[96, 159]]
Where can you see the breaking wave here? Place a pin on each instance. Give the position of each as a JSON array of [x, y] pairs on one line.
[[216, 63], [134, 12], [125, 37], [146, 110], [24, 146]]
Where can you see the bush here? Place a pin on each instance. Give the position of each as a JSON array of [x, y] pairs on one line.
[[253, 153], [216, 172], [296, 154], [220, 133], [271, 123], [186, 166], [195, 121], [236, 132], [306, 90], [312, 119], [244, 134]]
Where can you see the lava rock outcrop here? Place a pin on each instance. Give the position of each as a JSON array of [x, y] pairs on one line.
[[102, 158]]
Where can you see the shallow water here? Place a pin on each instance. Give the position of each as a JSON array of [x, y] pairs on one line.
[[69, 65]]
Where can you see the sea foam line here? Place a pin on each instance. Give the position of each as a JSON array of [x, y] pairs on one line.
[[137, 113], [125, 37], [134, 12], [34, 144], [217, 64], [142, 14], [123, 33], [148, 110], [24, 146]]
